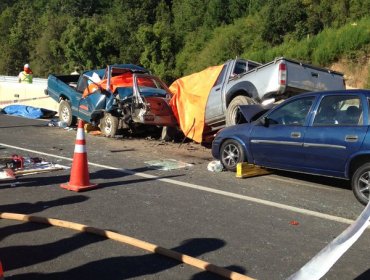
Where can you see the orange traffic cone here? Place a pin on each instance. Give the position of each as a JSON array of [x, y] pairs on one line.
[[79, 180], [1, 272]]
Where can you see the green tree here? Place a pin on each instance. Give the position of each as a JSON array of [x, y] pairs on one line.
[[215, 14], [48, 55], [188, 15], [281, 18], [159, 44], [124, 19], [19, 40], [87, 42]]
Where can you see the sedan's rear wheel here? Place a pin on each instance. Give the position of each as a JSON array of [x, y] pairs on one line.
[[361, 183], [232, 153]]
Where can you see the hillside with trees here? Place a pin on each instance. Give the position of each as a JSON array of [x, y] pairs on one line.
[[173, 38]]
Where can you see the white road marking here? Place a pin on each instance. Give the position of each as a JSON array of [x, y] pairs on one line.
[[202, 188]]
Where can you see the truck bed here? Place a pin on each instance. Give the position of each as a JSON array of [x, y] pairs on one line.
[[300, 77]]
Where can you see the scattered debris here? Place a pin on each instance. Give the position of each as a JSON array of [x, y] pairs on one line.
[[52, 123], [7, 174], [95, 132], [167, 164], [88, 127], [14, 184], [16, 162], [55, 123], [215, 166], [16, 166], [294, 223]]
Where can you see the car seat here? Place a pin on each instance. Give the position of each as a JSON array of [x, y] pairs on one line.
[[326, 116], [352, 115]]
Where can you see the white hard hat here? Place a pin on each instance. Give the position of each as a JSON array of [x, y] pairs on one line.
[[26, 65]]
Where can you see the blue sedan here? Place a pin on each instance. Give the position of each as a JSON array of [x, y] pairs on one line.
[[322, 133]]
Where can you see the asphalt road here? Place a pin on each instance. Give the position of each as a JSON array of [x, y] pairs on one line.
[[265, 227]]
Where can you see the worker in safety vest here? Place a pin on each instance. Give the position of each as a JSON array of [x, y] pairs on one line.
[[26, 75]]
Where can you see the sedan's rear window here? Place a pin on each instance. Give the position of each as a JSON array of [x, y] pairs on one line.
[[339, 110]]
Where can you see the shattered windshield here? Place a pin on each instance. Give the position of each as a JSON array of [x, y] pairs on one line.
[[146, 83]]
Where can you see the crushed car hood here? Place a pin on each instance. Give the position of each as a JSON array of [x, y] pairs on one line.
[[254, 111]]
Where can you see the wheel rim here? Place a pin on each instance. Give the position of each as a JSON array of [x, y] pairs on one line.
[[363, 185], [65, 114], [231, 155], [108, 126]]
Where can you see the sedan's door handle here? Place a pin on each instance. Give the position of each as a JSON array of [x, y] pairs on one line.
[[351, 138], [217, 89], [295, 135]]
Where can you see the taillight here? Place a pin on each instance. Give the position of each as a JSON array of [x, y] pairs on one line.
[[282, 74]]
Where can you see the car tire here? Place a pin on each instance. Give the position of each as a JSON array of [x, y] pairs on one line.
[[65, 113], [109, 125], [233, 114], [361, 182], [231, 154]]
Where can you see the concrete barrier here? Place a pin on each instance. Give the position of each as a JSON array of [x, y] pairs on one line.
[[13, 92]]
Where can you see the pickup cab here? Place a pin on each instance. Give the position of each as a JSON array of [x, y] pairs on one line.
[[243, 82], [122, 96]]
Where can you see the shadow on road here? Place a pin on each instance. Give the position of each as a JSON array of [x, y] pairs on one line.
[[123, 267], [329, 181], [39, 206], [14, 257], [205, 275], [32, 125], [364, 276], [30, 208]]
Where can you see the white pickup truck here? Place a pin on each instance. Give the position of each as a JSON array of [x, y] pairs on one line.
[[243, 82]]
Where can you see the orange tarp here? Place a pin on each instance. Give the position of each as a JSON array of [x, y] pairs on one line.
[[190, 94]]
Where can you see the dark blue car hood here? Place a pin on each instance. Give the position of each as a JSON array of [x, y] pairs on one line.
[[254, 111]]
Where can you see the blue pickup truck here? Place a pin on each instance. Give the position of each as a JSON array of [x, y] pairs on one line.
[[141, 100]]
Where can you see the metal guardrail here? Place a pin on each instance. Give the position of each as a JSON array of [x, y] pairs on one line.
[[13, 79], [13, 92]]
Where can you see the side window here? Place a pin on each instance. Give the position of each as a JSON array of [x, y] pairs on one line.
[[292, 113], [339, 110], [221, 76], [240, 67]]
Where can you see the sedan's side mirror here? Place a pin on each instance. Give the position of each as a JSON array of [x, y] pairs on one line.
[[265, 121]]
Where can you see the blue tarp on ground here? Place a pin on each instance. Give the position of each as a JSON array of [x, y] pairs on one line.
[[27, 111]]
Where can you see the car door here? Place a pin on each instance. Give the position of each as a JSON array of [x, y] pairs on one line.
[[336, 132], [214, 107], [215, 103], [279, 142]]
